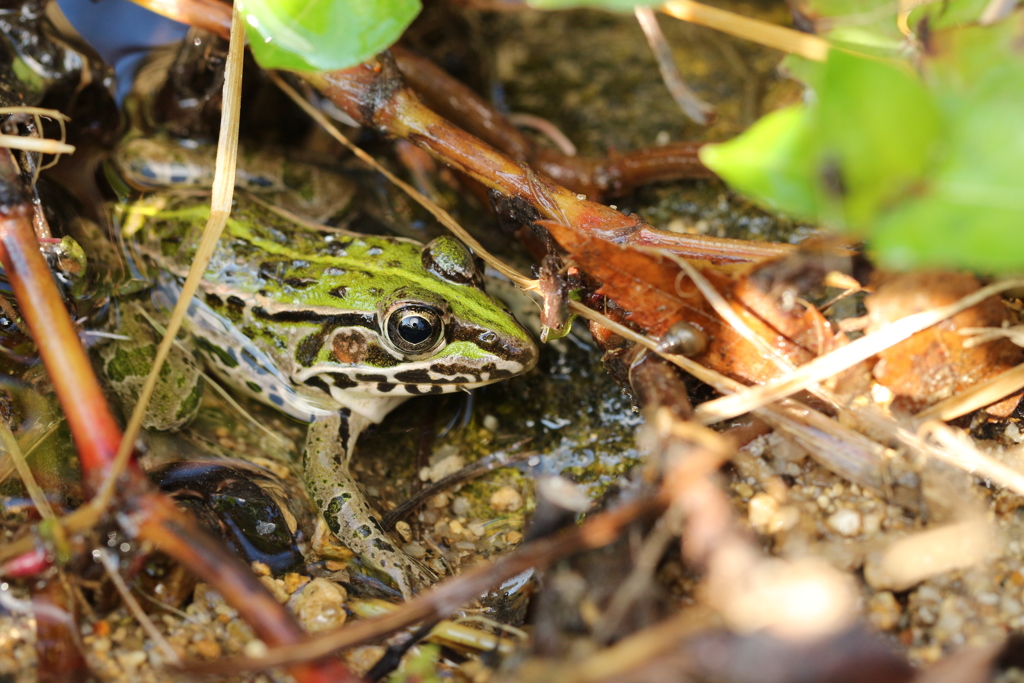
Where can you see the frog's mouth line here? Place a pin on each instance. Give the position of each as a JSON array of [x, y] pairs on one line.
[[432, 378]]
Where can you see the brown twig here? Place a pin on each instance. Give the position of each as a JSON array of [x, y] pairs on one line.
[[598, 531]]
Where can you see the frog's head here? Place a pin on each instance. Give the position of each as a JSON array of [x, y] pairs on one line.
[[432, 329]]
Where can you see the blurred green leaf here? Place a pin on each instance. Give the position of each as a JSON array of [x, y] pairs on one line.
[[323, 35], [926, 168], [865, 140], [864, 25], [943, 15], [770, 162], [876, 126]]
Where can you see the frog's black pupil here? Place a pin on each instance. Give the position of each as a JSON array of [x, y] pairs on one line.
[[415, 329]]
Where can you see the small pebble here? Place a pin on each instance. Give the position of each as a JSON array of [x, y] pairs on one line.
[[490, 423], [760, 511], [845, 522], [461, 506], [131, 660], [744, 490], [506, 499], [320, 606], [276, 588], [255, 648], [513, 537], [415, 550], [207, 648], [404, 530], [294, 581], [884, 611]]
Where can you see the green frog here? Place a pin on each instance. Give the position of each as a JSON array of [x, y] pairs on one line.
[[335, 329]]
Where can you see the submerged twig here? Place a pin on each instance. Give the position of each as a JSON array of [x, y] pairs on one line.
[[698, 110]]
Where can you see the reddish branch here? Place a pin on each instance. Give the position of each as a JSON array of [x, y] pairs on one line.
[[375, 94], [149, 515], [594, 177]]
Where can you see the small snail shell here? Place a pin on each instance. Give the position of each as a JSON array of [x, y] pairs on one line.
[[683, 339]]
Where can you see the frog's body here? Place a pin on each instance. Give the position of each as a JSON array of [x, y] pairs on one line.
[[335, 329]]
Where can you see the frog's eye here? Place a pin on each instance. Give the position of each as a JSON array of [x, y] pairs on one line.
[[414, 329]]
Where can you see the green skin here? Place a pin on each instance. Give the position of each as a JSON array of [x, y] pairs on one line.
[[299, 318]]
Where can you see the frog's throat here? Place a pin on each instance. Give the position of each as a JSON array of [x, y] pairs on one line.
[[373, 408]]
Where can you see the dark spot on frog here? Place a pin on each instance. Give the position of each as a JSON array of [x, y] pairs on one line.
[[254, 388], [308, 348], [332, 513], [340, 292], [214, 301], [348, 347], [416, 376], [300, 282], [319, 384], [276, 400], [370, 377], [236, 302], [385, 387], [364, 531], [252, 361], [227, 357], [342, 381]]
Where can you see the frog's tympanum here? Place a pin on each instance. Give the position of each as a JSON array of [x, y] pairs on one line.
[[335, 329]]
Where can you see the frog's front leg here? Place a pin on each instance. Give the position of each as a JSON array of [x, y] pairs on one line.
[[329, 445]]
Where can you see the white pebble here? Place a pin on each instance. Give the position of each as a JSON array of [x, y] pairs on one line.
[[845, 522]]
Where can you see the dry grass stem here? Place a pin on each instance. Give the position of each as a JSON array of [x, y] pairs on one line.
[[729, 315], [762, 32], [908, 561], [35, 492], [954, 448], [837, 361], [220, 208], [977, 396], [699, 111], [41, 145]]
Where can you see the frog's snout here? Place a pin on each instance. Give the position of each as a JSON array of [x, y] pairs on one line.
[[524, 351]]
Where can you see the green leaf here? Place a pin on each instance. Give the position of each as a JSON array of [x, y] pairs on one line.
[[862, 25], [876, 127], [323, 35], [865, 142], [944, 15], [972, 212], [770, 162]]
